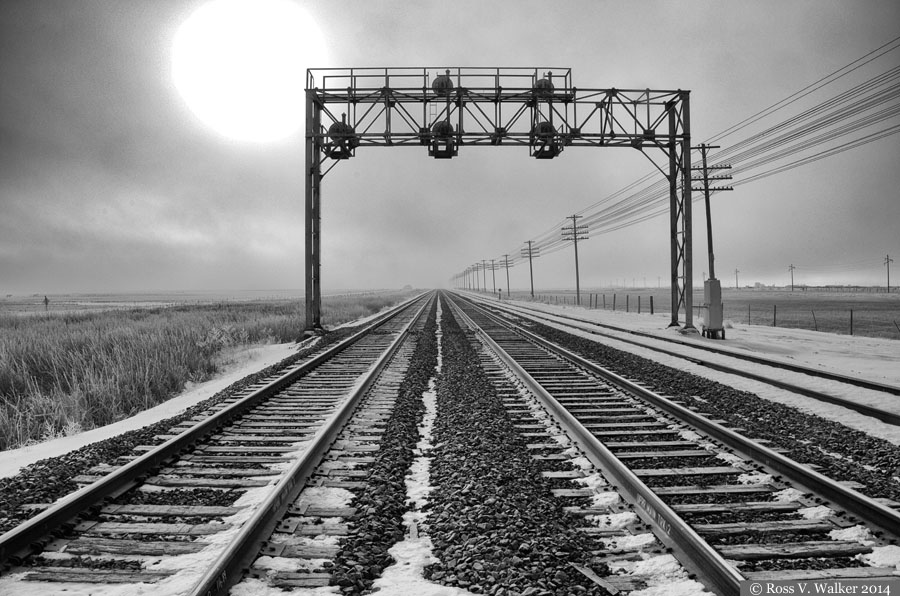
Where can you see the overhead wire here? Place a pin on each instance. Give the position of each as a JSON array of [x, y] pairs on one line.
[[836, 117]]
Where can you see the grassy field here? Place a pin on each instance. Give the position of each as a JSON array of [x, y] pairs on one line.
[[875, 314], [97, 362]]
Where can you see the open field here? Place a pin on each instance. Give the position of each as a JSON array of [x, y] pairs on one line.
[[99, 361], [874, 314]]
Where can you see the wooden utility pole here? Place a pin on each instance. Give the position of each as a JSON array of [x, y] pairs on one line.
[[506, 259], [887, 261], [574, 233], [493, 276], [791, 269], [530, 252], [736, 278]]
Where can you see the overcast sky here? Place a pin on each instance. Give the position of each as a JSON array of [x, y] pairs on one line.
[[110, 181]]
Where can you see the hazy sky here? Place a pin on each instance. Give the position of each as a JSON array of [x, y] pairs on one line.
[[109, 181]]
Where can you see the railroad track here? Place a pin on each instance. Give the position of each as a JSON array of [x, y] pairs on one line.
[[731, 508], [767, 370], [229, 493]]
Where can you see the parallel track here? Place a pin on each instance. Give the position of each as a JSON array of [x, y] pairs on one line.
[[595, 328], [270, 440], [638, 439]]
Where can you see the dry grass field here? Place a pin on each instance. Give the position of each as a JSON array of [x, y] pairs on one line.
[[68, 369]]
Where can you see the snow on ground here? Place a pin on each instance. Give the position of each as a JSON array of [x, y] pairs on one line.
[[239, 364], [663, 574], [872, 358], [875, 359]]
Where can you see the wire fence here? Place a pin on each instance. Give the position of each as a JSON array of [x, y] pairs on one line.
[[864, 313]]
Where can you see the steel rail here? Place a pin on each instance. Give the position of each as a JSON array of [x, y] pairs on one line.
[[675, 533], [854, 502], [856, 381], [231, 565], [878, 413], [31, 535]]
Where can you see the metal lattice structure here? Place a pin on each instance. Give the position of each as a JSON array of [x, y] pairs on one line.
[[441, 110]]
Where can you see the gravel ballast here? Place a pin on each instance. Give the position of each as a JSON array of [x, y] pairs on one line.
[[495, 526]]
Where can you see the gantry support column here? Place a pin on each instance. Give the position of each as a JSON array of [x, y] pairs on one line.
[[680, 225], [686, 216], [313, 215]]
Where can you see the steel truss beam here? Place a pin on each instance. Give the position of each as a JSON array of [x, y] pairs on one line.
[[445, 109]]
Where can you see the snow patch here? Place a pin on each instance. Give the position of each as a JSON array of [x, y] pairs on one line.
[[613, 521], [755, 478], [787, 495], [629, 542], [730, 458], [325, 496], [257, 587], [819, 512], [882, 556], [858, 533]]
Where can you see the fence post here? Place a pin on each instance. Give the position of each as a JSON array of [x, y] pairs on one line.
[[651, 305], [774, 315], [604, 301], [748, 314], [627, 299], [639, 304], [851, 321], [614, 302], [815, 323]]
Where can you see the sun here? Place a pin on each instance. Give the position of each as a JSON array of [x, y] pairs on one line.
[[241, 66]]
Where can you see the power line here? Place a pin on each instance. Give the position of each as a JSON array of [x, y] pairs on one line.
[[864, 105]]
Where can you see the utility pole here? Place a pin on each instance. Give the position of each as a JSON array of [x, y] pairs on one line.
[[506, 259], [707, 191], [530, 252], [713, 327], [574, 233], [736, 278], [887, 261], [791, 269], [494, 276], [484, 273]]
